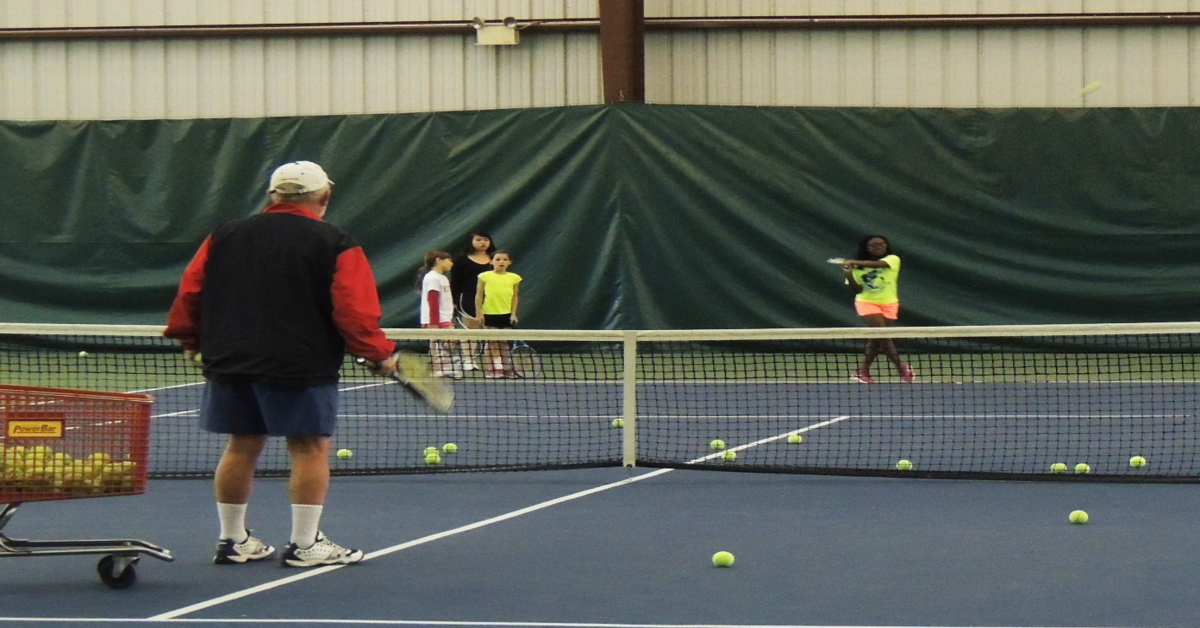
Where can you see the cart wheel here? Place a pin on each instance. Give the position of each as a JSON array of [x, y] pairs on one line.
[[122, 580]]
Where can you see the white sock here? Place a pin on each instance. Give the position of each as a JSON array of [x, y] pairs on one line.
[[233, 521], [306, 520]]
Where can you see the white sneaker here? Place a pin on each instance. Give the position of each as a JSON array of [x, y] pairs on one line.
[[231, 553], [323, 552], [469, 365]]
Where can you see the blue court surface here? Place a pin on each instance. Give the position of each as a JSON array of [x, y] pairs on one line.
[[982, 427], [609, 547]]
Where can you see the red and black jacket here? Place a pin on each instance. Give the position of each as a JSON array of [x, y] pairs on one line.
[[278, 297]]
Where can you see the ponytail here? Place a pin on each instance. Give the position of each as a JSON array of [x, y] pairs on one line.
[[431, 260]]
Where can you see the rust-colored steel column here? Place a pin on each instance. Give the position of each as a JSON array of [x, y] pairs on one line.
[[623, 50]]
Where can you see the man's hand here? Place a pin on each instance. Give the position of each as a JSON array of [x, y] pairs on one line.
[[386, 368], [193, 357]]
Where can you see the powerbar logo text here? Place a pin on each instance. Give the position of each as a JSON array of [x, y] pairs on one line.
[[35, 429]]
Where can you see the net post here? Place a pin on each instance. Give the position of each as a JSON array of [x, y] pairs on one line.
[[629, 398]]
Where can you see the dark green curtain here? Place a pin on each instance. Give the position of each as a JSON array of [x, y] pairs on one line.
[[639, 216]]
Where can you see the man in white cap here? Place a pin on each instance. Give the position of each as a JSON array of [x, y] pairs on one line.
[[272, 302]]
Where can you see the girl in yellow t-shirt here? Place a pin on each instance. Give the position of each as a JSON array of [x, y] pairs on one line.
[[496, 300], [873, 275]]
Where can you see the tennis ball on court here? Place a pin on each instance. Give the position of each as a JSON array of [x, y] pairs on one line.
[[431, 450], [1137, 462], [84, 354], [618, 422], [904, 465], [432, 458], [1078, 516], [344, 453], [723, 559], [1058, 467], [717, 444], [795, 438], [729, 456], [449, 448], [1082, 468]]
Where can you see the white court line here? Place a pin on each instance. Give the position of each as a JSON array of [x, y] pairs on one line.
[[613, 415], [170, 414], [415, 622], [197, 411], [267, 586]]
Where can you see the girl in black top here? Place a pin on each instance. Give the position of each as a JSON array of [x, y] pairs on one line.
[[463, 277], [463, 283]]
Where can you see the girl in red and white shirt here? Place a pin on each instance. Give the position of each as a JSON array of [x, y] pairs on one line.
[[437, 310]]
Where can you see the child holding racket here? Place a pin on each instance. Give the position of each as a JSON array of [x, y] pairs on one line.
[[496, 299], [873, 275], [463, 282], [437, 310]]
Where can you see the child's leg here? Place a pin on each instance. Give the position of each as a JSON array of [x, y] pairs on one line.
[[506, 360], [439, 352]]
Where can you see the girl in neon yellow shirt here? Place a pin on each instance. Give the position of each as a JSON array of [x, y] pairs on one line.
[[873, 275], [496, 300]]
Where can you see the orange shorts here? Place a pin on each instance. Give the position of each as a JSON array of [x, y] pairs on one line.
[[889, 310]]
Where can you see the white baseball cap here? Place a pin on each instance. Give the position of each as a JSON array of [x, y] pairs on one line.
[[299, 177]]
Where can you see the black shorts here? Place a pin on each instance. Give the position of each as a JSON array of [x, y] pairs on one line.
[[497, 321]]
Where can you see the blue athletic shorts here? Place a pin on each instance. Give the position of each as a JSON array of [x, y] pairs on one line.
[[271, 409]]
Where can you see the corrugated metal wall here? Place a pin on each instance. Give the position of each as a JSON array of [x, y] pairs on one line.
[[346, 75]]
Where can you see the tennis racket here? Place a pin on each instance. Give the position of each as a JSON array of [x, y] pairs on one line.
[[413, 373], [467, 322], [526, 362]]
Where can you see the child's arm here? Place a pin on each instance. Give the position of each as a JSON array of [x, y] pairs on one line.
[[868, 263], [479, 300], [516, 299], [434, 298], [848, 273]]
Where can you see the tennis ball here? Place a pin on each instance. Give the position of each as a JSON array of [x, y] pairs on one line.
[[904, 465], [795, 438], [618, 422], [1078, 516], [723, 559], [1058, 467], [717, 444], [432, 458], [84, 354], [1137, 462], [431, 450], [1082, 468], [344, 453], [449, 448], [98, 460], [1091, 87], [729, 456], [198, 359]]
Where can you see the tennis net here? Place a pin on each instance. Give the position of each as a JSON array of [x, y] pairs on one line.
[[987, 402]]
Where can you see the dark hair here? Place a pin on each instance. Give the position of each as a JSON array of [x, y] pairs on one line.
[[491, 250], [511, 259], [431, 258], [862, 247]]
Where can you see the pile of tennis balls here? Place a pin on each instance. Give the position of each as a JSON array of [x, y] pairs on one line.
[[42, 469], [719, 445], [433, 456]]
